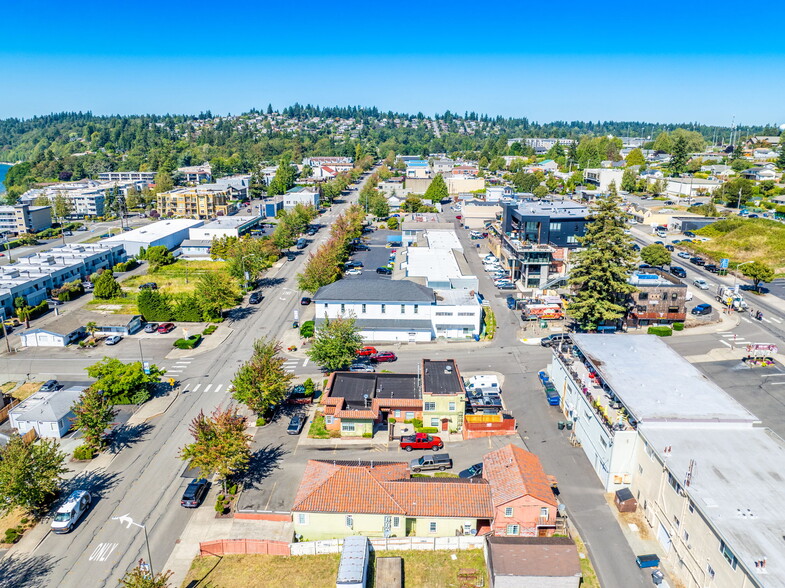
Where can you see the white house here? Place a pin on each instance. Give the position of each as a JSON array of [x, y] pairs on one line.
[[225, 226], [399, 310], [304, 195], [169, 233], [49, 413], [603, 178]]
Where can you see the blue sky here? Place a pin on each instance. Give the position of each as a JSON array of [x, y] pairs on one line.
[[659, 62]]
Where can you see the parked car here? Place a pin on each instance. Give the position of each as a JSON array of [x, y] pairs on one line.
[[353, 263], [113, 339], [711, 267], [670, 248], [194, 493], [71, 511], [368, 350], [683, 255], [290, 256], [151, 327], [689, 234], [421, 441], [50, 386], [507, 286], [296, 425], [305, 301], [255, 298], [698, 260], [149, 286], [355, 271], [473, 471], [702, 309], [511, 302], [438, 461], [679, 272], [384, 356], [166, 328], [555, 339], [701, 284], [385, 271], [361, 366]]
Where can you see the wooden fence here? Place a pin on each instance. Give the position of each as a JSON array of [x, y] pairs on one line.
[[6, 409], [30, 436], [223, 547]]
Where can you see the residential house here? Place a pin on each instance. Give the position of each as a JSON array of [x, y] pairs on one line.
[[764, 140], [602, 178], [198, 202], [532, 562], [418, 169], [690, 187], [759, 174], [378, 499], [546, 165], [48, 413], [330, 160], [468, 171], [305, 195], [524, 504], [763, 154], [443, 395], [660, 299], [24, 218], [195, 174], [240, 185]]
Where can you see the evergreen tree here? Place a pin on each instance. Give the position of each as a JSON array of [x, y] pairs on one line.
[[603, 266], [628, 180], [680, 156], [781, 158], [437, 190], [106, 286]]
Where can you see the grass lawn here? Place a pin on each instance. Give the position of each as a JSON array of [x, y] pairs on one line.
[[5, 388], [11, 520], [434, 569], [589, 575], [26, 390], [172, 278], [744, 240]]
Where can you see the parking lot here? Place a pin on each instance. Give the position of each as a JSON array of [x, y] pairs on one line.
[[378, 256]]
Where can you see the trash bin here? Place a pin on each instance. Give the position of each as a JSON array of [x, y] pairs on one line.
[[657, 577], [560, 424], [476, 337], [569, 425]]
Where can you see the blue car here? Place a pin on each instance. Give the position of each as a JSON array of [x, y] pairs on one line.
[[702, 309]]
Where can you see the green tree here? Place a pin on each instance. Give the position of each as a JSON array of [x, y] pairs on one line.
[[524, 182], [656, 255], [106, 287], [30, 474], [657, 187], [628, 180], [392, 223], [154, 305], [123, 383], [599, 276], [221, 445], [61, 206], [757, 272], [540, 191], [91, 327], [262, 382], [437, 190], [163, 182], [781, 158], [635, 157], [379, 206], [217, 291], [679, 155], [336, 343], [140, 577], [93, 413], [158, 256], [284, 177]]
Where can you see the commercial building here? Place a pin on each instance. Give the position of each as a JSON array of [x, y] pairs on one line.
[[65, 329], [417, 168], [477, 215], [24, 218], [195, 174], [660, 299], [439, 268], [200, 202], [227, 226], [169, 233], [314, 162], [305, 195]]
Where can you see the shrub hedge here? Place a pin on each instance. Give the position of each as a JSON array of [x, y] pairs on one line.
[[188, 343], [660, 331], [678, 326]]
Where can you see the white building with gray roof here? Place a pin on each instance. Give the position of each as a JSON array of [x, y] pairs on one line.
[[49, 413]]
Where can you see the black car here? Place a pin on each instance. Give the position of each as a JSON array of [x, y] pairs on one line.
[[50, 386], [385, 271], [555, 339], [678, 271], [255, 298], [195, 493], [290, 256], [305, 301], [295, 425], [670, 248], [713, 268], [697, 260], [473, 471], [149, 286]]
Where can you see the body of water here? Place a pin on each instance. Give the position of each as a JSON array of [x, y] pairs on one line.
[[3, 170]]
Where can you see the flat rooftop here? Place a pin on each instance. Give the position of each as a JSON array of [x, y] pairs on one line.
[[642, 279], [455, 298], [354, 386], [553, 209], [441, 377], [155, 231], [438, 239], [661, 386], [434, 264], [230, 222], [737, 483]]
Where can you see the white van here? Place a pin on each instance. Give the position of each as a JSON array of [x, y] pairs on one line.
[[71, 511]]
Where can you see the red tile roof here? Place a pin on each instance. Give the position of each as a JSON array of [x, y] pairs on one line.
[[513, 473], [385, 488]]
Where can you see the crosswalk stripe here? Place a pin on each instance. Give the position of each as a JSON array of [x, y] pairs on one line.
[[218, 388], [196, 387], [767, 320], [725, 343], [776, 320], [186, 387], [305, 362], [727, 335], [207, 388], [745, 319]]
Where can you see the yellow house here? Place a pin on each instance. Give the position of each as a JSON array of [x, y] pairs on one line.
[[200, 202], [379, 499], [443, 395]]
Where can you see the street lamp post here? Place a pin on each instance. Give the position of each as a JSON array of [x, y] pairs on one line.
[[128, 521], [737, 267]]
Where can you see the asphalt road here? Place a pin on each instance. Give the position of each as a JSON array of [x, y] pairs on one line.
[[145, 479]]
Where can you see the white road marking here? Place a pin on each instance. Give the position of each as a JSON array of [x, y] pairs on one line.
[[305, 361], [776, 320], [196, 388], [218, 388], [779, 375], [171, 371], [182, 363], [102, 551], [767, 320], [745, 319], [727, 334], [725, 343], [776, 384], [207, 388]]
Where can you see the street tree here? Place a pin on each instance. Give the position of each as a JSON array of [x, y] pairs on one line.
[[628, 180], [30, 474], [61, 206], [656, 255], [336, 343], [380, 208], [262, 382], [216, 291], [220, 444], [437, 190], [679, 155], [106, 286], [322, 267], [599, 276], [123, 383], [139, 577], [635, 157], [94, 412], [757, 272], [781, 158]]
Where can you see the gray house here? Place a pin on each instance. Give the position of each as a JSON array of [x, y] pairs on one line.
[[49, 413]]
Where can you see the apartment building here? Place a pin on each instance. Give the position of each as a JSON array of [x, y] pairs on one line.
[[147, 177], [198, 202], [24, 218], [195, 174]]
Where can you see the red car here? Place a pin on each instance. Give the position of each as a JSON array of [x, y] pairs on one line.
[[367, 351], [165, 327], [384, 356]]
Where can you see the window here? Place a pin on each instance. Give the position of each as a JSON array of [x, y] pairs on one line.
[[396, 522], [403, 309], [710, 571], [429, 406], [451, 406], [513, 530], [555, 226], [643, 295], [728, 554], [384, 308], [676, 522], [544, 512], [325, 308], [675, 296], [508, 511], [416, 308], [465, 314], [302, 518], [397, 413], [328, 419], [347, 427], [572, 239], [349, 521], [691, 507], [674, 483], [443, 314], [434, 421], [363, 311], [343, 308], [432, 527], [409, 415], [686, 536]]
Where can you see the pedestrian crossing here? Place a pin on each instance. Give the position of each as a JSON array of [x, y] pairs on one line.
[[733, 340]]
